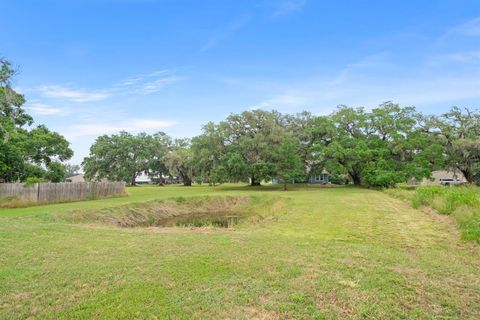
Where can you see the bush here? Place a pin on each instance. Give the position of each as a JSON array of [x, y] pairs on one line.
[[338, 179], [377, 178], [32, 180]]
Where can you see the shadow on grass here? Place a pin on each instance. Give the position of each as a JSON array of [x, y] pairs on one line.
[[279, 187]]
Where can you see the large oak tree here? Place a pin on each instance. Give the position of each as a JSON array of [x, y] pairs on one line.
[[26, 151]]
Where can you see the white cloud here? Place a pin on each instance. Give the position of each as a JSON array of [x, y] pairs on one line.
[[133, 125], [46, 110], [69, 94], [226, 32], [287, 7]]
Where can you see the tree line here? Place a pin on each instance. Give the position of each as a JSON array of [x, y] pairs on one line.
[[378, 148], [381, 147]]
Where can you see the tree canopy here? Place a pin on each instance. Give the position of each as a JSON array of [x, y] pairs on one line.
[[376, 148], [179, 161], [241, 147], [380, 147], [459, 134], [123, 156], [26, 151]]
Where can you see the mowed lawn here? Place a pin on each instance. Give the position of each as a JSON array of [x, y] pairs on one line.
[[333, 253]]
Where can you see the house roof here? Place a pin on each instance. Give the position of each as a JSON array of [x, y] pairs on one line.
[[76, 178]]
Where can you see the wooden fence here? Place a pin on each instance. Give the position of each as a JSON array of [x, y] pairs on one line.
[[59, 192]]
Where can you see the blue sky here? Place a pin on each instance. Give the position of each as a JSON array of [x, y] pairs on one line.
[[89, 67]]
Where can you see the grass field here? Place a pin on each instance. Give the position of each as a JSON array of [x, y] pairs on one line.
[[333, 253]]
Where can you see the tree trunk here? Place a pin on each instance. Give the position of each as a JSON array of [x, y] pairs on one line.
[[468, 176], [132, 182], [254, 182], [187, 182], [285, 185], [355, 177]]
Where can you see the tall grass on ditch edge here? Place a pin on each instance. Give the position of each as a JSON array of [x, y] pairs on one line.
[[461, 202]]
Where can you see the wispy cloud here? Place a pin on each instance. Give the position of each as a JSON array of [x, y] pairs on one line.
[[71, 94], [156, 85], [149, 83], [287, 7], [463, 57], [348, 84], [379, 77], [284, 101], [144, 84], [134, 125], [226, 32], [130, 81], [46, 110], [469, 28], [373, 62]]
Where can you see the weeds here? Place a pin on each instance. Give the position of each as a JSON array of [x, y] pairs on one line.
[[14, 202], [462, 202], [424, 196]]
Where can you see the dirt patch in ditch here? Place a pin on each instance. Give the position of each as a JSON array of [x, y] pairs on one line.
[[221, 212]]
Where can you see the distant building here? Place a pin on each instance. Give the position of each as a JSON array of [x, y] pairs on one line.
[[81, 178], [442, 177], [76, 178], [321, 178], [143, 179], [446, 177]]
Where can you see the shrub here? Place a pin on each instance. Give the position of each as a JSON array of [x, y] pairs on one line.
[[32, 180], [378, 178]]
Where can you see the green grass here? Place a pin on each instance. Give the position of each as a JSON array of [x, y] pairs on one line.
[[317, 253], [461, 202]]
